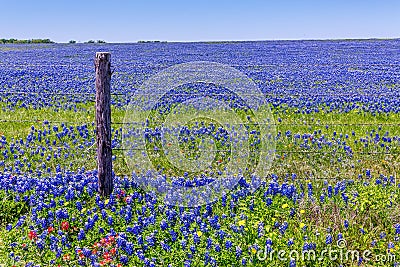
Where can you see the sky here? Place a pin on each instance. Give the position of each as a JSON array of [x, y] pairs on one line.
[[198, 20]]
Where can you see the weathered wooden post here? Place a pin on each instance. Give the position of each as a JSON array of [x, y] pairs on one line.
[[103, 123]]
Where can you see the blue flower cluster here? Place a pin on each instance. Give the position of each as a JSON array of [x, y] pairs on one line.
[[322, 79]]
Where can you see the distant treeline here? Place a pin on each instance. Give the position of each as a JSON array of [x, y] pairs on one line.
[[30, 41], [90, 42], [152, 41]]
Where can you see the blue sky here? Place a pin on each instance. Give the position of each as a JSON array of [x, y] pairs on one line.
[[198, 20]]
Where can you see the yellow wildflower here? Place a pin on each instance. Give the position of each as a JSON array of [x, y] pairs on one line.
[[242, 223]]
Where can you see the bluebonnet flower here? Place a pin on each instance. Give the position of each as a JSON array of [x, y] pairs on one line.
[[40, 243], [328, 239], [78, 205], [110, 220], [397, 229], [165, 246], [183, 244], [310, 190], [382, 235], [81, 235], [129, 248], [163, 224], [330, 191], [196, 238], [124, 259], [174, 235], [346, 224], [228, 244], [238, 252], [283, 227], [207, 257]]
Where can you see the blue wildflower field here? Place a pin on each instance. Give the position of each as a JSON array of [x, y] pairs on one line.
[[330, 197]]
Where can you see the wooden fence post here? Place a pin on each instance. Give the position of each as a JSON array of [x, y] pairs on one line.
[[103, 123]]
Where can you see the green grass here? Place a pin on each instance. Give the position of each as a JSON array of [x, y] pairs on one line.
[[307, 164], [375, 209]]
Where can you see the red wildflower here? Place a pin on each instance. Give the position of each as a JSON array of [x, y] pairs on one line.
[[107, 256], [64, 226], [66, 257], [80, 254], [121, 194], [32, 235]]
